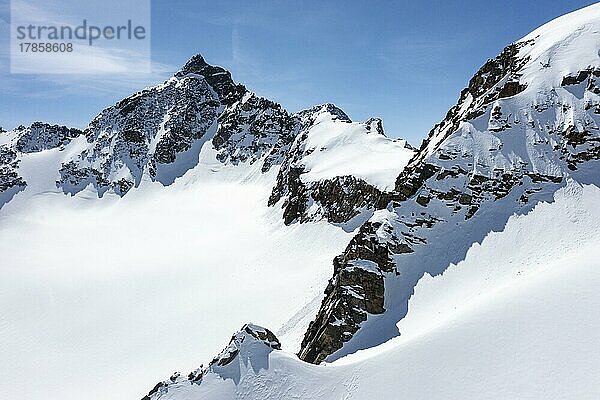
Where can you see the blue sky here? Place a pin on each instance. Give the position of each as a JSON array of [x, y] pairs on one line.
[[403, 61]]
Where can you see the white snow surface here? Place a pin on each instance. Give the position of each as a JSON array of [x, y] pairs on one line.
[[517, 319], [517, 316], [336, 148], [101, 297]]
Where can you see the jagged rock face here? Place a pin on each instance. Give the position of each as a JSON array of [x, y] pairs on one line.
[[514, 137], [356, 289], [253, 129], [309, 116], [249, 332], [498, 78], [10, 181], [339, 199], [40, 136], [218, 78], [142, 133], [342, 198], [159, 131], [250, 346]]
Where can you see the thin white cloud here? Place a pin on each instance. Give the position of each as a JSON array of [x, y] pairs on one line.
[[55, 84], [105, 56], [105, 70]]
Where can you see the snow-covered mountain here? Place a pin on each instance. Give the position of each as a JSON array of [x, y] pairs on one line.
[[494, 326], [124, 244], [464, 269], [157, 135], [476, 277]]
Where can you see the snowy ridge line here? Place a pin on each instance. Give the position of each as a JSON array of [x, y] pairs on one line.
[[157, 135], [448, 279]]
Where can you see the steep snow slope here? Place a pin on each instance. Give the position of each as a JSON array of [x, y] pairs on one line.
[[528, 122], [518, 318]]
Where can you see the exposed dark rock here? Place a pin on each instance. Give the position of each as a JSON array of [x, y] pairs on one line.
[[252, 129], [310, 114], [40, 136], [155, 390], [340, 199], [218, 78], [411, 179], [423, 200], [375, 124], [580, 77], [133, 136], [575, 137], [483, 90], [510, 89], [10, 180], [465, 199], [354, 292], [438, 174]]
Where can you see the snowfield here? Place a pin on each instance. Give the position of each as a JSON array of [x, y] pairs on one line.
[[102, 297], [341, 148], [517, 319]]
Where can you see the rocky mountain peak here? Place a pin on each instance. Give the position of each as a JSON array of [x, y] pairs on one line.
[[157, 134], [310, 115], [217, 77]]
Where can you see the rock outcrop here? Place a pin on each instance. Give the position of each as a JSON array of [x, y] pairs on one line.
[[250, 347]]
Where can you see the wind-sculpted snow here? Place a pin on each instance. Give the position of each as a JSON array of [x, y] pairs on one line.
[[527, 122]]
